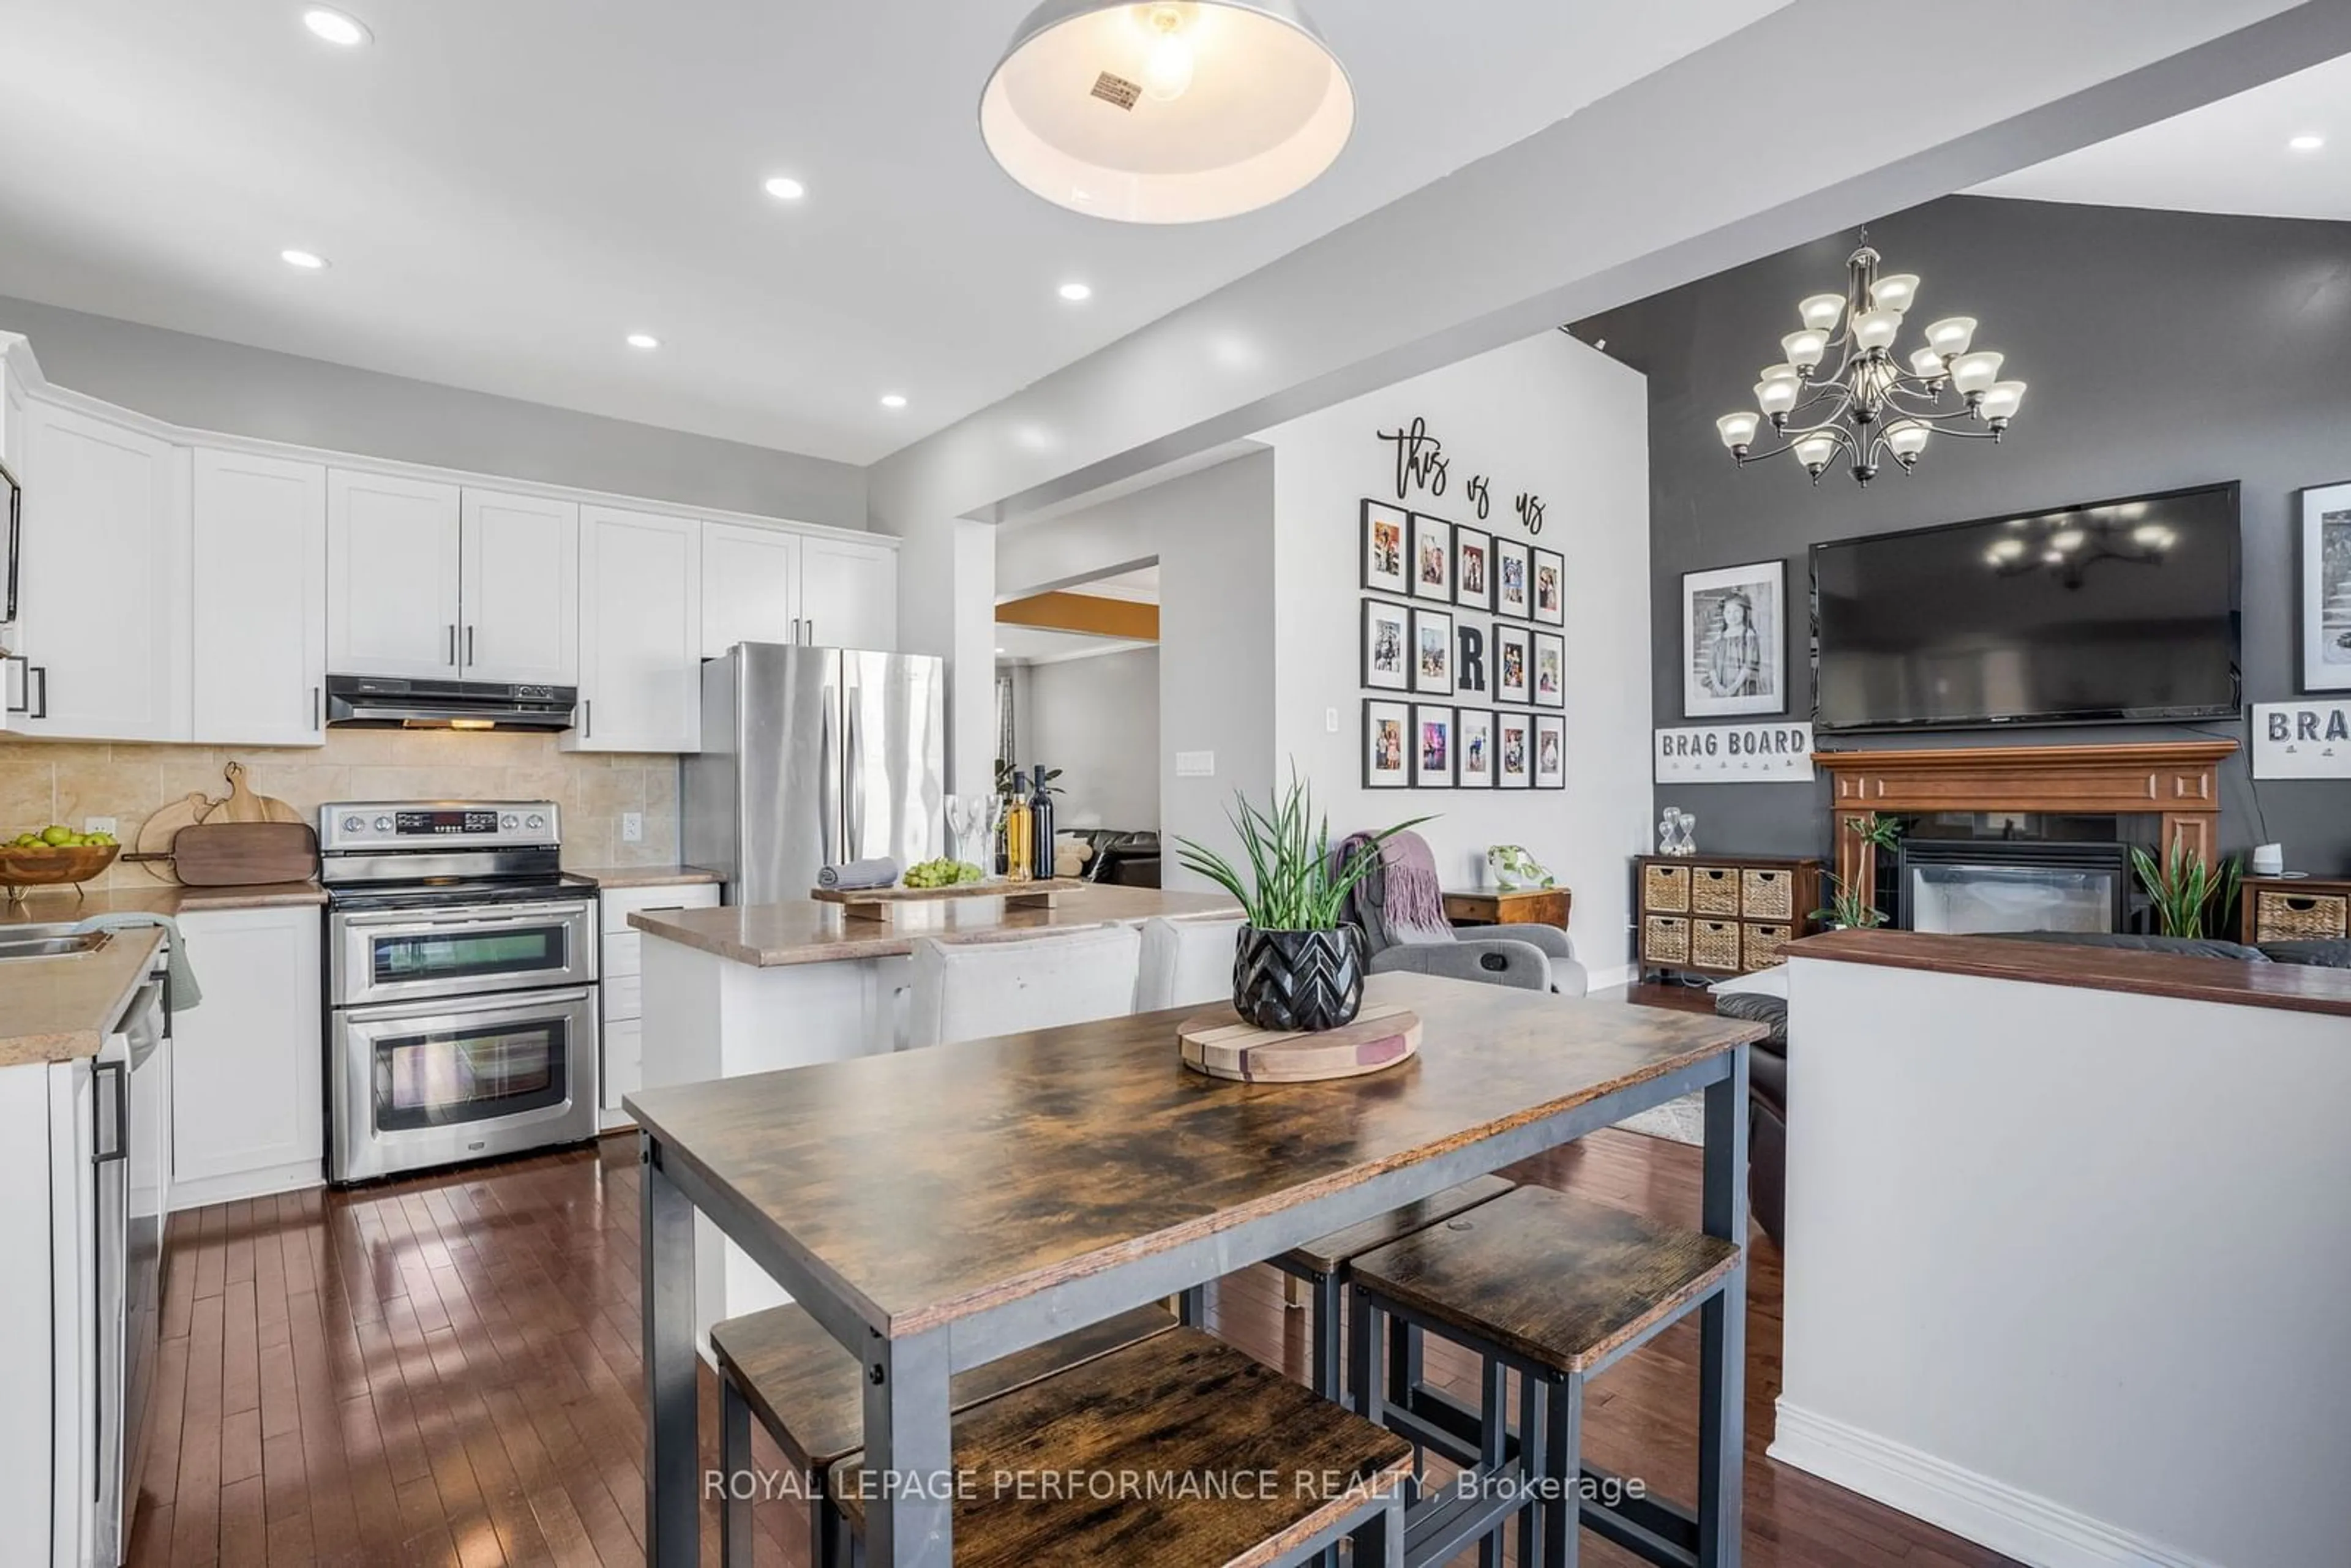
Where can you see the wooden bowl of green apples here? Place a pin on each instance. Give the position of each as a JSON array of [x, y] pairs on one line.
[[53, 856]]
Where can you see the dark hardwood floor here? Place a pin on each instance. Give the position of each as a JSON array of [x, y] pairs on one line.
[[444, 1371]]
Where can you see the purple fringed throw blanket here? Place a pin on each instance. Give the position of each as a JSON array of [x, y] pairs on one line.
[[1404, 892]]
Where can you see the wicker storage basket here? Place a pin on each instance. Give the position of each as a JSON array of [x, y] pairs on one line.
[[1665, 888], [1767, 895], [1714, 944], [1714, 890], [1665, 939]]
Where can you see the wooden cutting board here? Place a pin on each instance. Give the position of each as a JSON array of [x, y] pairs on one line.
[[1222, 1046], [243, 806], [214, 853], [153, 849]]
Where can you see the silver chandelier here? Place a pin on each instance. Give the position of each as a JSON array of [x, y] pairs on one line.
[[1868, 407]]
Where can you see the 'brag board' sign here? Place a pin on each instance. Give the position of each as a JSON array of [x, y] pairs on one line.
[[1735, 754], [2302, 740]]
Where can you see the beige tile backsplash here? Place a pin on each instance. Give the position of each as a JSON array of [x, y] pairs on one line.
[[67, 782]]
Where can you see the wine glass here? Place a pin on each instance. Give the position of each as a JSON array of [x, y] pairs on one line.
[[990, 819], [960, 823]]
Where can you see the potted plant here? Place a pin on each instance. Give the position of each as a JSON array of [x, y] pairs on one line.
[[1849, 908], [1298, 966], [2190, 896]]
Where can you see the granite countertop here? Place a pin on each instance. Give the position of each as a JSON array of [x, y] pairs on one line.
[[604, 876], [57, 1009], [803, 931], [47, 908]]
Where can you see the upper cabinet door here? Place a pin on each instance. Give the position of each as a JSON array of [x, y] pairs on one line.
[[849, 594], [103, 577], [640, 633], [750, 586], [260, 600], [391, 576], [521, 590]]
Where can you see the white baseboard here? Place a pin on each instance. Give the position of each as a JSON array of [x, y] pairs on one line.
[[1604, 980], [2027, 1526], [206, 1190]]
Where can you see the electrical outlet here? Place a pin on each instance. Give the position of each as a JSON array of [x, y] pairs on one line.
[[97, 825], [633, 827]]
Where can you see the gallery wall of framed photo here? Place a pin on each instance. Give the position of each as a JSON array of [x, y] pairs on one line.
[[1463, 658]]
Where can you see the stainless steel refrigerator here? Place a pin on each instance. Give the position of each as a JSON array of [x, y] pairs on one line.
[[810, 757]]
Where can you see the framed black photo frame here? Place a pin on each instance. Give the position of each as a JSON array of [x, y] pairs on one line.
[[2325, 580], [1385, 539], [1432, 558], [1513, 582], [1473, 748], [1432, 745], [1550, 751], [1549, 670], [1513, 656], [1387, 645], [1550, 587], [1432, 652], [1735, 640], [1387, 744], [1473, 568], [1514, 749]]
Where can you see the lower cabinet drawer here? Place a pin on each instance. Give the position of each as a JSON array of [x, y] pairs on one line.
[[624, 1060], [1758, 945], [1714, 944], [621, 953], [2299, 916], [624, 997], [1665, 939]]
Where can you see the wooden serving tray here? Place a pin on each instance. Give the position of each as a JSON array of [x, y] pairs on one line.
[[1222, 1045], [876, 903]]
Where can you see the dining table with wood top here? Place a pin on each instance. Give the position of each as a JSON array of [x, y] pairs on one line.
[[938, 1209]]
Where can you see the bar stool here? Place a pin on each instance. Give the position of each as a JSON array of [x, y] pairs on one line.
[[1186, 961], [1556, 1289], [978, 987], [1166, 1402]]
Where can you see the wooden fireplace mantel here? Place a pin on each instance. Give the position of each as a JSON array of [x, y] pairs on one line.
[[2179, 780]]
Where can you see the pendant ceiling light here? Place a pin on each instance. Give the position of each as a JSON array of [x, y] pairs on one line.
[[1167, 112]]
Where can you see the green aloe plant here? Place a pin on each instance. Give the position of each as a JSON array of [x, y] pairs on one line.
[[1295, 885], [2187, 893]]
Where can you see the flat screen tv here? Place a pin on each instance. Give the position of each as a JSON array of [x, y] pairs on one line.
[[2118, 610]]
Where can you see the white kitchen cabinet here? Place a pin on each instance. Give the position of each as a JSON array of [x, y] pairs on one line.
[[849, 594], [765, 585], [246, 1087], [12, 454], [640, 633], [259, 599], [750, 586], [521, 592], [619, 969], [103, 569], [392, 576]]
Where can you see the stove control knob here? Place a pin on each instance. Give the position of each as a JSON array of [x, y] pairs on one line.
[[536, 822], [353, 824], [510, 822], [383, 824]]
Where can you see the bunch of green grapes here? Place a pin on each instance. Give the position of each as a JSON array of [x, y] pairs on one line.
[[942, 872]]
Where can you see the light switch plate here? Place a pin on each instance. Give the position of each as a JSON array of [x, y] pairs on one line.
[[97, 825], [633, 827], [1196, 765], [1331, 720]]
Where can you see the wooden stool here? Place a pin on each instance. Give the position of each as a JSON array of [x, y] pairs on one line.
[[809, 1394], [1556, 1289]]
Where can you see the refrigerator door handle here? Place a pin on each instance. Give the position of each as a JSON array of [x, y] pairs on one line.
[[856, 786], [828, 808]]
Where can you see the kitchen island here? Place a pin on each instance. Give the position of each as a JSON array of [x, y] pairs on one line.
[[756, 988]]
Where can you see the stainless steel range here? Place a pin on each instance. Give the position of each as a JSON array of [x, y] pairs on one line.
[[461, 983]]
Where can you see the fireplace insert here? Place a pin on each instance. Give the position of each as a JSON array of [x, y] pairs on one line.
[[1962, 886]]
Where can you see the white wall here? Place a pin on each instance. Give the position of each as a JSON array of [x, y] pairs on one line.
[[2067, 1271], [1212, 533], [1097, 719], [1550, 415]]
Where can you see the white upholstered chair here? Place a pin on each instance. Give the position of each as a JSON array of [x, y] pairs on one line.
[[1186, 961], [973, 988]]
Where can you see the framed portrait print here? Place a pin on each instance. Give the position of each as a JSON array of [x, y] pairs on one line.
[[2326, 588], [1550, 670], [1387, 647], [1513, 594], [1550, 586], [1387, 744], [1432, 558], [1385, 527], [1550, 751], [1473, 748], [1432, 653], [1513, 659], [1473, 568], [1432, 747], [1514, 750], [1735, 640]]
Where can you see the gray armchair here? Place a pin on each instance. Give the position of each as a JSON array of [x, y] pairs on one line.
[[1529, 957]]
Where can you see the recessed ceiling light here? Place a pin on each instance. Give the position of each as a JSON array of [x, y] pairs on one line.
[[643, 341], [308, 260], [894, 400], [2307, 142], [349, 32], [1076, 292], [784, 188]]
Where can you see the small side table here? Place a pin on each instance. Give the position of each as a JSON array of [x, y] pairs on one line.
[[1490, 906]]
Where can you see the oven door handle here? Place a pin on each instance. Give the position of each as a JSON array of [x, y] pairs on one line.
[[512, 915], [496, 1005]]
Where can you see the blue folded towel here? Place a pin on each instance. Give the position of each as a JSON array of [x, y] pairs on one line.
[[857, 875], [185, 993]]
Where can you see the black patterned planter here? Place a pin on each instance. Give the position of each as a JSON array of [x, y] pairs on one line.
[[1299, 980]]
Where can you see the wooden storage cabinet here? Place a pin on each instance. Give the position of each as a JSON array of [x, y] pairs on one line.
[[1721, 914], [2297, 909]]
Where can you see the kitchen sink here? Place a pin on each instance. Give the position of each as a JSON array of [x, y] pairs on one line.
[[50, 942]]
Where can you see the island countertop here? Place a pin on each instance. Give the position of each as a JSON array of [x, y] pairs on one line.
[[803, 931]]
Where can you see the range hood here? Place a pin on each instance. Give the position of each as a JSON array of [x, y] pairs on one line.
[[386, 702]]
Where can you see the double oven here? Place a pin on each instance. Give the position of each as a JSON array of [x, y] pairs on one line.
[[462, 985]]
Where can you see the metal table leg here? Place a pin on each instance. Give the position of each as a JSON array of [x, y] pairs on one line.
[[735, 1465], [1722, 1326], [909, 1459], [666, 1275]]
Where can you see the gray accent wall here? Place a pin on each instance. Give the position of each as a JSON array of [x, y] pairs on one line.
[[208, 385], [2162, 350], [1097, 720]]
